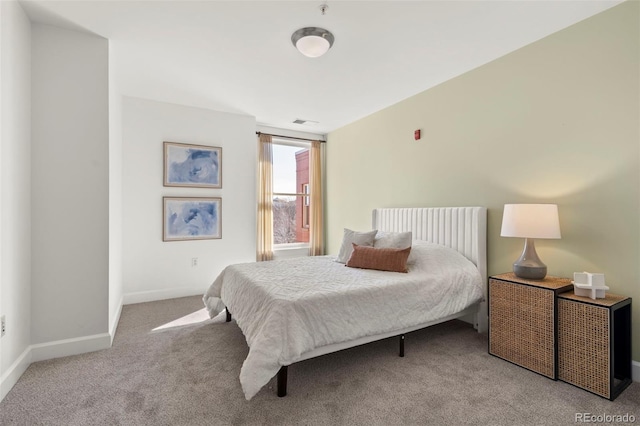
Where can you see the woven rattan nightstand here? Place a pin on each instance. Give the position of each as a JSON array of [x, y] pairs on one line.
[[522, 321], [594, 343]]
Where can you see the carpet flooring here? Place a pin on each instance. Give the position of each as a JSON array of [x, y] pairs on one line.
[[169, 365]]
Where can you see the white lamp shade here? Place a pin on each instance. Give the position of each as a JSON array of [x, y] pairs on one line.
[[313, 46], [530, 221]]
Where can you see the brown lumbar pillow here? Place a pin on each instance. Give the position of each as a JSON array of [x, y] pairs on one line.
[[382, 259]]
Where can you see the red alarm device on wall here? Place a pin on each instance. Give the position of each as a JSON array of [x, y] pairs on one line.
[[416, 134]]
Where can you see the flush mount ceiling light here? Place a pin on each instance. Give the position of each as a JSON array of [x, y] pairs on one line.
[[313, 41]]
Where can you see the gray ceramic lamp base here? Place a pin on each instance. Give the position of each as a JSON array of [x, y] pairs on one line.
[[529, 266]]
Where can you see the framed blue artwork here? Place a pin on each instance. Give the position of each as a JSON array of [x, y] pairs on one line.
[[196, 166], [191, 218]]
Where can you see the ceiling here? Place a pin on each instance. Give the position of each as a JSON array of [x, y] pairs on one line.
[[237, 56]]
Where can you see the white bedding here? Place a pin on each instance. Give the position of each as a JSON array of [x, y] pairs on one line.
[[288, 307]]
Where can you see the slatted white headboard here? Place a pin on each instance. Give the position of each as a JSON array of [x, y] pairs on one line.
[[462, 228]]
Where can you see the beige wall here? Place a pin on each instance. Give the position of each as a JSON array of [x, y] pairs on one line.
[[554, 122]]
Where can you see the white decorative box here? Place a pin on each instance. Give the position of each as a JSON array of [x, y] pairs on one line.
[[588, 284]]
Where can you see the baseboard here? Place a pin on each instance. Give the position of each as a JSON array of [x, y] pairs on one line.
[[50, 350], [12, 375], [635, 371], [67, 347], [153, 295], [114, 324]]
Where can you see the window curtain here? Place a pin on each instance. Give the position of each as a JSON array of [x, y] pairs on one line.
[[316, 218], [264, 249]]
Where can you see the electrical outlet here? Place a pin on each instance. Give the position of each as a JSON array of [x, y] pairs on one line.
[[194, 262], [3, 325]]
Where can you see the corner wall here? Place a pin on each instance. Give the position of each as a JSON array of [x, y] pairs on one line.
[[115, 195], [70, 191], [153, 269], [15, 193], [557, 121]]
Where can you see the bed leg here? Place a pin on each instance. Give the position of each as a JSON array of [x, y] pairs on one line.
[[282, 381], [402, 345], [228, 314]]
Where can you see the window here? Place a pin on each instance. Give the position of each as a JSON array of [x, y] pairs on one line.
[[290, 197], [290, 193]]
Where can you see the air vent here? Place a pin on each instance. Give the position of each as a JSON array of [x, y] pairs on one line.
[[301, 121]]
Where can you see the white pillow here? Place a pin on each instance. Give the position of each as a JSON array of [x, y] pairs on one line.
[[395, 240], [359, 238]]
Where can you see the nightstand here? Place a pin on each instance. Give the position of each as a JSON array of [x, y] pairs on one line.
[[522, 321], [594, 343]]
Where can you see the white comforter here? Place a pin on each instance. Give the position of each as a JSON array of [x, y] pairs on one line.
[[288, 307]]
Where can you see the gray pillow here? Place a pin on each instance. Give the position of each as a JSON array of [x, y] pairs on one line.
[[395, 240], [359, 238]]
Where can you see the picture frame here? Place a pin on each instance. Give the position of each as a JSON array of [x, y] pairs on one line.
[[195, 166], [191, 218]]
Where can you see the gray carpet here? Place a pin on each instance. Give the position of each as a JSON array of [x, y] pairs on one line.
[[188, 375]]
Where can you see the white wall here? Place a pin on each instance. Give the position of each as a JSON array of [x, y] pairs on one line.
[[15, 196], [70, 192], [154, 269], [115, 195]]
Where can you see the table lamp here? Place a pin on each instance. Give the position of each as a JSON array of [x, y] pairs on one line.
[[530, 221]]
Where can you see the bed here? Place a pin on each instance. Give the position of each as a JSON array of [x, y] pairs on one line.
[[297, 309]]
